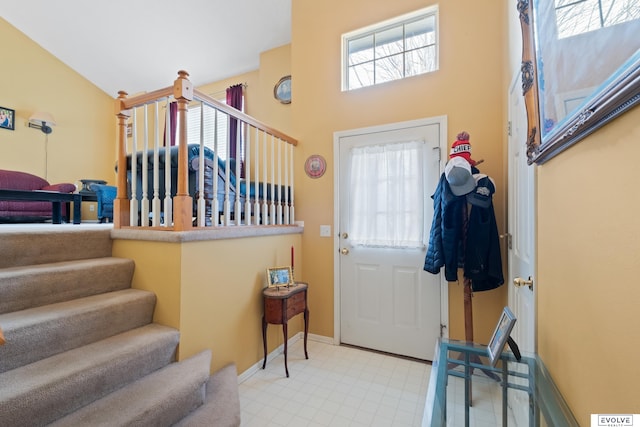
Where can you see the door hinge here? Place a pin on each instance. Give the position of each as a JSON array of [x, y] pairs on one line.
[[509, 128], [442, 328], [438, 151], [508, 239]]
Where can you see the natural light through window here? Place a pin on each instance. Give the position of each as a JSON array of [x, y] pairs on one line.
[[580, 16], [386, 185], [395, 49], [215, 128]]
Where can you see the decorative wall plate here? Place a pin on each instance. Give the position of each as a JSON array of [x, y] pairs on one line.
[[315, 166], [282, 90]]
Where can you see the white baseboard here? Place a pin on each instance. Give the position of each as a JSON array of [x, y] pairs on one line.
[[279, 350]]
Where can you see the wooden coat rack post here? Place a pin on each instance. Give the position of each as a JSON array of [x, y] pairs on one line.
[[468, 306]]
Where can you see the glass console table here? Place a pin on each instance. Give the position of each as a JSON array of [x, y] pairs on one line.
[[523, 384]]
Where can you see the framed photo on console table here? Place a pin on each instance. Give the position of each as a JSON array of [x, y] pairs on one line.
[[500, 335], [279, 276]]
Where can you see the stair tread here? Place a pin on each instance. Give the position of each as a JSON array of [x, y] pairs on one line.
[[48, 312], [179, 388], [18, 248], [18, 270], [24, 287], [47, 330], [53, 387], [73, 361]]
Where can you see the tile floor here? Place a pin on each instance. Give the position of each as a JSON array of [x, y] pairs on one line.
[[336, 386], [486, 410]]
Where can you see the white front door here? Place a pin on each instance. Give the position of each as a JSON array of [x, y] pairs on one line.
[[387, 301], [522, 240]]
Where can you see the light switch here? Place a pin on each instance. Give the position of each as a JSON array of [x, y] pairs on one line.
[[325, 231]]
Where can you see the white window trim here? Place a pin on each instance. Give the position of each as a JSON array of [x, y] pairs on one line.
[[431, 10]]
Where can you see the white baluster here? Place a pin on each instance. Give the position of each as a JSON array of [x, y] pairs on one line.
[[201, 200], [155, 207], [215, 209], [265, 208], [237, 204], [227, 202], [256, 199], [168, 200], [133, 208], [279, 183], [292, 216], [247, 172], [286, 184], [273, 189], [144, 215]]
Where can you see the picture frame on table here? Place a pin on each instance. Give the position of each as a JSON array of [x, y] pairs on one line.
[[7, 118], [279, 276], [500, 335]]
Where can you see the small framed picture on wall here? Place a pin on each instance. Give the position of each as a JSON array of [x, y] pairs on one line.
[[7, 118]]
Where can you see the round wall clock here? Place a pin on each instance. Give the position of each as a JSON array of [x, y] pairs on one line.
[[282, 90], [315, 166]]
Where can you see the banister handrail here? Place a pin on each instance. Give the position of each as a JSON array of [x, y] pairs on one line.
[[145, 98], [150, 97], [235, 113]]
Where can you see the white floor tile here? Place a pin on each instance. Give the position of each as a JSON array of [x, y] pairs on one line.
[[337, 386], [343, 386]]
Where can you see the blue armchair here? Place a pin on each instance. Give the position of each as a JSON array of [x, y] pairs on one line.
[[105, 194]]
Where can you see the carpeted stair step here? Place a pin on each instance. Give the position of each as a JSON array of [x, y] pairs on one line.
[[19, 247], [33, 286], [221, 407], [44, 391], [40, 332], [159, 399]]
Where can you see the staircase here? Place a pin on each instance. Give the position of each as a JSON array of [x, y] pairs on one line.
[[81, 346]]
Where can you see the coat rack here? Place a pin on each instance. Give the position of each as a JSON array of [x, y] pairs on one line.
[[468, 307]]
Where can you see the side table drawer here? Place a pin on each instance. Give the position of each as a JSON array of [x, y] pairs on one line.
[[273, 311], [296, 304]]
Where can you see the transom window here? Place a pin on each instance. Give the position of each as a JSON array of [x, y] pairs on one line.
[[402, 47], [575, 17]]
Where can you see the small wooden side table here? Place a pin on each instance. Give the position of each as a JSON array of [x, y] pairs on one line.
[[281, 304]]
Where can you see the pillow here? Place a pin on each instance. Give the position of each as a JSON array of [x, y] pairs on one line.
[[64, 187]]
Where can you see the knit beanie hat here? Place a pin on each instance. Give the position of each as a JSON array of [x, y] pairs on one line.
[[461, 147]]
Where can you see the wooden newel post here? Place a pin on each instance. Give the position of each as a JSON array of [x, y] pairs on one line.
[[121, 204], [182, 202]]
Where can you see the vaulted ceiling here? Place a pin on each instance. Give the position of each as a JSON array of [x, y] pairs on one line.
[[139, 45]]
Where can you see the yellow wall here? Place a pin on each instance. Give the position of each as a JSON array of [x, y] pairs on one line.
[[218, 306], [82, 144], [588, 258], [467, 88], [588, 250]]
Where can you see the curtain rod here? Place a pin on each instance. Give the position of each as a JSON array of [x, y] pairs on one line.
[[244, 86]]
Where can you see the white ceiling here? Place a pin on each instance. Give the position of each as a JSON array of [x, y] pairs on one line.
[[139, 45]]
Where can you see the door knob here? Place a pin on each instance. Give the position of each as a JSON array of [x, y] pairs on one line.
[[519, 282], [345, 236], [344, 251]]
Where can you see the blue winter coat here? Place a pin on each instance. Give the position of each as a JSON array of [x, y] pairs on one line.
[[446, 231], [483, 261]]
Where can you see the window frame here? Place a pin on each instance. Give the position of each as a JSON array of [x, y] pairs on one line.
[[402, 20]]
